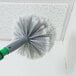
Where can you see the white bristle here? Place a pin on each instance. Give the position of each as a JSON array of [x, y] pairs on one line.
[[41, 36]]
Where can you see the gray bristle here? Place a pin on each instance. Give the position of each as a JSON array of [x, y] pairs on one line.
[[41, 36]]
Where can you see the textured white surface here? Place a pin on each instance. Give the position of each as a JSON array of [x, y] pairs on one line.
[[9, 14], [39, 1]]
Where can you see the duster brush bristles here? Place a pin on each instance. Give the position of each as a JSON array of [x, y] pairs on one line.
[[40, 36], [34, 35]]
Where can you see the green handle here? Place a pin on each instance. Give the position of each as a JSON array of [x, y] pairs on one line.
[[3, 52]]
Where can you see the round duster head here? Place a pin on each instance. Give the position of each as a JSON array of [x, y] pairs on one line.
[[40, 33]]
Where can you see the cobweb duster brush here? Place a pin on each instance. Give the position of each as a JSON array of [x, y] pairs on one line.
[[33, 35]]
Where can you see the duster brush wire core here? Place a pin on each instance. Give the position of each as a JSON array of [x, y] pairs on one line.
[[40, 34]]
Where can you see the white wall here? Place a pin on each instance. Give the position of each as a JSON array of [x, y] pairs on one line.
[[70, 44], [53, 64]]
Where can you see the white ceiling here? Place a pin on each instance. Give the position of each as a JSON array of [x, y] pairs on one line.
[[39, 1], [10, 13]]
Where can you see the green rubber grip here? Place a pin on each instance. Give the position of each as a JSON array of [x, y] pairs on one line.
[[3, 52]]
